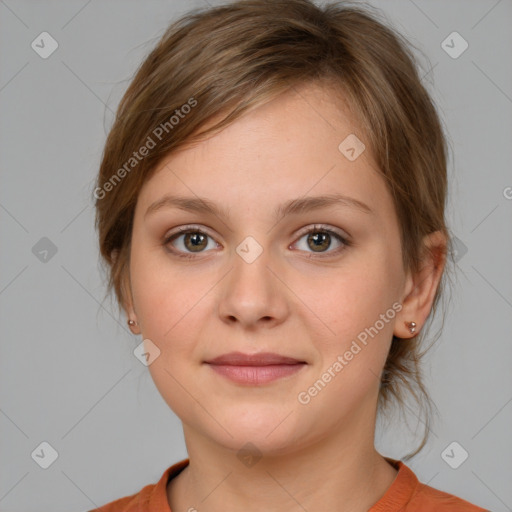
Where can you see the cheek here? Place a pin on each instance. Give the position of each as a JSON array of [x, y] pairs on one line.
[[168, 304], [174, 305], [357, 306], [351, 299], [161, 294]]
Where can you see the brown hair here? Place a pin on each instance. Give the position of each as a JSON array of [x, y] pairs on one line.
[[226, 60]]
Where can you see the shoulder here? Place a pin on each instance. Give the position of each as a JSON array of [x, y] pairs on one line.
[[427, 498], [408, 494], [133, 503], [151, 498]]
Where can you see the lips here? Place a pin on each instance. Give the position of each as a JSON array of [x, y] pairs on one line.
[[255, 369], [261, 359]]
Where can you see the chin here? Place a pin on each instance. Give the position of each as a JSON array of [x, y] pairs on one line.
[[271, 432], [257, 444]]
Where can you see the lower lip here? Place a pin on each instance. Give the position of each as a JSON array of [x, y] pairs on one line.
[[256, 374]]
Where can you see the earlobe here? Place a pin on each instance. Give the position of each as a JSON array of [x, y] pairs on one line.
[[134, 326], [132, 318], [126, 298], [422, 286], [130, 312]]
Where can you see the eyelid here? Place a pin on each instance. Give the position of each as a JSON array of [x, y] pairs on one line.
[[323, 227], [302, 232], [188, 227]]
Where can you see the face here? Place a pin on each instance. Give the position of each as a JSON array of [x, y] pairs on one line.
[[319, 285]]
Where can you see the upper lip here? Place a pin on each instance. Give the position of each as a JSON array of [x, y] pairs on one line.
[[260, 359]]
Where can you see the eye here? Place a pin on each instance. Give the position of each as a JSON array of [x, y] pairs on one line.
[[319, 239], [189, 240]]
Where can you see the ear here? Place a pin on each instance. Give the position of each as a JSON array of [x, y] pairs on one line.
[[421, 287], [126, 293]]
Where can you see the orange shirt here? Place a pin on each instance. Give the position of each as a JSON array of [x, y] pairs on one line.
[[406, 494]]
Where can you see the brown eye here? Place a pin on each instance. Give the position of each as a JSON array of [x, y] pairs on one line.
[[320, 239], [195, 242], [189, 241]]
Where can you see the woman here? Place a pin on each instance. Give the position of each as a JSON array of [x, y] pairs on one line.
[[270, 207]]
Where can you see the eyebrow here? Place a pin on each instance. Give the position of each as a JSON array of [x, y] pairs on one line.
[[294, 206]]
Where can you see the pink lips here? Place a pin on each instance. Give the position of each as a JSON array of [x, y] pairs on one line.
[[256, 368]]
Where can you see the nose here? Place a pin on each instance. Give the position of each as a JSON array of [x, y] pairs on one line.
[[252, 295]]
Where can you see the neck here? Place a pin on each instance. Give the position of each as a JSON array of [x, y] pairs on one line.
[[344, 473]]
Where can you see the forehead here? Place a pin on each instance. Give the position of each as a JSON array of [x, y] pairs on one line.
[[293, 146]]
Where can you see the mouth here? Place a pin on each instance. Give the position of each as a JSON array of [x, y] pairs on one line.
[[255, 369]]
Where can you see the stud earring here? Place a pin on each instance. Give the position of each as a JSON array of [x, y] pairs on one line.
[[131, 322], [412, 326]]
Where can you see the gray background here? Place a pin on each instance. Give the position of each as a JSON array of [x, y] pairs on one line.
[[67, 372]]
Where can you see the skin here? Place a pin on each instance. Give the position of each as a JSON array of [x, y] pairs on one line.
[[320, 455]]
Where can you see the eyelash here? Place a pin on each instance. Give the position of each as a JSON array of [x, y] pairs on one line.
[[317, 228]]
